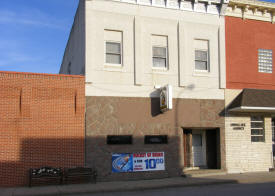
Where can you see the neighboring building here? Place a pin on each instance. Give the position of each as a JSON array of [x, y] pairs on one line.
[[250, 83], [126, 50], [41, 123]]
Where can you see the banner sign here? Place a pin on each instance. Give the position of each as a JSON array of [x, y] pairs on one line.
[[147, 161]]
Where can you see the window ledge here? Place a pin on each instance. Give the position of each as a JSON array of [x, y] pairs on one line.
[[159, 69], [113, 67], [201, 73], [258, 143]]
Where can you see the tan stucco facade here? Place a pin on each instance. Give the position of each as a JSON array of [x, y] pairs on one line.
[[139, 117]]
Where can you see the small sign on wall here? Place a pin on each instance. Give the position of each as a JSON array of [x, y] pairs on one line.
[[238, 126], [147, 161]]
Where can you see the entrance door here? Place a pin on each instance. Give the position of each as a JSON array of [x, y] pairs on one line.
[[197, 150], [211, 148]]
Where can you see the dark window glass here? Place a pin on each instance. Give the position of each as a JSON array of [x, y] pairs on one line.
[[156, 139], [119, 139]]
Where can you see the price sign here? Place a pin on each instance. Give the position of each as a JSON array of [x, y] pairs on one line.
[[147, 161]]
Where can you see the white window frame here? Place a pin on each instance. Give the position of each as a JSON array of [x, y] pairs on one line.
[[207, 61], [257, 128], [105, 53], [263, 66], [205, 49], [166, 57]]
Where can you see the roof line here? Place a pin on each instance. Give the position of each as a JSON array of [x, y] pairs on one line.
[[44, 74]]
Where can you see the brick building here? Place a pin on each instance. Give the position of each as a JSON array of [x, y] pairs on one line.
[[128, 49], [41, 123], [250, 86]]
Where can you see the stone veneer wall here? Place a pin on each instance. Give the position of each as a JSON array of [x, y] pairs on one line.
[[242, 155], [140, 117]]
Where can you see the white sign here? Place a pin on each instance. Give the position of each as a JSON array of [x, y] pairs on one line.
[[166, 98], [148, 161]]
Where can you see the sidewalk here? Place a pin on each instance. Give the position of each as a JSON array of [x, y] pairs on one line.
[[248, 178]]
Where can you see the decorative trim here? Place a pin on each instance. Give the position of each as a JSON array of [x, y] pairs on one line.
[[215, 7], [252, 9]]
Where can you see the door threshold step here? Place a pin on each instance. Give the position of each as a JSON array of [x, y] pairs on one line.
[[201, 173]]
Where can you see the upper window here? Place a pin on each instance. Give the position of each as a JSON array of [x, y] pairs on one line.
[[113, 47], [113, 53], [257, 129], [159, 2], [159, 57], [265, 60], [159, 51], [201, 55]]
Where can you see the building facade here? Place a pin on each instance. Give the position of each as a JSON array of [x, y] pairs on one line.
[[41, 122], [127, 51], [250, 85]]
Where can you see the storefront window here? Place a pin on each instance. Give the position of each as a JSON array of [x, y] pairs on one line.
[[257, 129]]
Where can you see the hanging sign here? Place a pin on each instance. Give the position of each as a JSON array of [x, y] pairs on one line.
[[147, 161], [166, 98]]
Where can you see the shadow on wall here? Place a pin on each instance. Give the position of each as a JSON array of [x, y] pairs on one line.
[[36, 153], [99, 156], [155, 103]]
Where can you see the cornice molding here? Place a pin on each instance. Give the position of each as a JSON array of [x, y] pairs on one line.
[[252, 9], [216, 7]]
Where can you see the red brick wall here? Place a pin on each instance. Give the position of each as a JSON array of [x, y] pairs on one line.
[[41, 123], [243, 39]]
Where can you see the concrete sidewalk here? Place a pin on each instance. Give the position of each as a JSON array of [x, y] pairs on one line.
[[248, 178]]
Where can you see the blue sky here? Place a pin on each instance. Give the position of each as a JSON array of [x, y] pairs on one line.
[[34, 33]]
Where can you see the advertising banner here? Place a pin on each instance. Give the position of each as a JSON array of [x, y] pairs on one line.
[[122, 163], [147, 161]]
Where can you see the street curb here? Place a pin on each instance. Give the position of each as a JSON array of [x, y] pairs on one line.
[[153, 187], [85, 189], [139, 185]]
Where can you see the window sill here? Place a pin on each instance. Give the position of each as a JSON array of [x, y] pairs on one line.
[[261, 72], [259, 143], [201, 73], [155, 69], [113, 67], [160, 71]]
